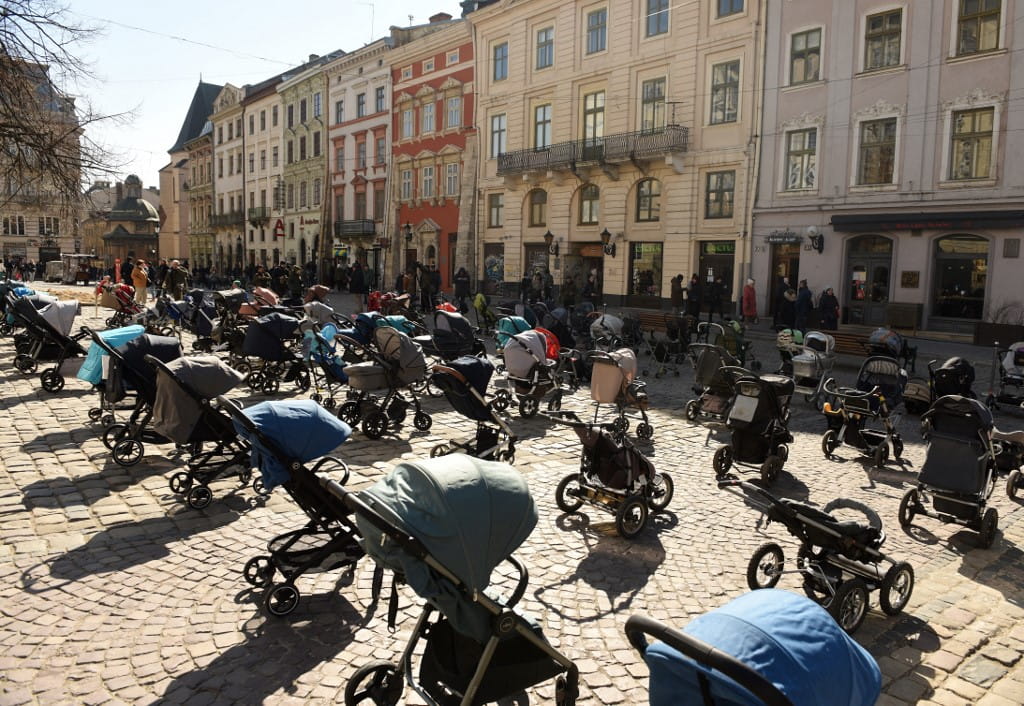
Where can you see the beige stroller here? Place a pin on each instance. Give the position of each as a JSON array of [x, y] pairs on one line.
[[614, 381]]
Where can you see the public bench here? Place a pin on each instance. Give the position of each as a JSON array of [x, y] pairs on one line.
[[855, 343]]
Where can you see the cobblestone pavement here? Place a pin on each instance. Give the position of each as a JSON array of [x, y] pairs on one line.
[[111, 590]]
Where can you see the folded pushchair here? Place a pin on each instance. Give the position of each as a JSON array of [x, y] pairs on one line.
[[840, 559], [714, 372], [464, 384], [958, 474], [532, 363], [185, 412], [613, 476], [879, 392], [285, 436], [759, 422], [765, 647], [613, 381], [443, 525], [271, 340]]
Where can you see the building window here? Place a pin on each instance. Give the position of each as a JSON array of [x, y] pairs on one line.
[[652, 105], [500, 61], [648, 201], [359, 205], [252, 124], [593, 117], [263, 120], [339, 111], [542, 126], [360, 105], [361, 155], [290, 117], [452, 57], [231, 131], [378, 99], [718, 196], [302, 148], [657, 17], [725, 92], [290, 191], [273, 116], [978, 26], [455, 112], [220, 167], [406, 184], [729, 7], [303, 111], [538, 207], [427, 118], [451, 179], [289, 152], [645, 268], [801, 159], [590, 204], [273, 156], [252, 162], [597, 30], [220, 134], [961, 274], [406, 73], [427, 183], [231, 164], [316, 192], [428, 65], [495, 210], [317, 105], [14, 225], [378, 202], [263, 160], [882, 40], [877, 151], [805, 56], [316, 143], [339, 159], [497, 135], [407, 123], [545, 47], [381, 150], [971, 149], [302, 194]]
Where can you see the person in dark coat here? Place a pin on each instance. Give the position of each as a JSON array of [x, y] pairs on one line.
[[717, 291], [696, 296], [787, 309], [778, 298], [461, 281], [829, 309], [357, 286], [677, 294], [804, 305]]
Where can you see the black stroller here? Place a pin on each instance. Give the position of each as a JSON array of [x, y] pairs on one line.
[[958, 474], [452, 337], [272, 340], [839, 560], [48, 338], [669, 353], [613, 476], [464, 383], [759, 421], [879, 392], [285, 436], [715, 371], [1008, 363], [184, 412], [443, 526]]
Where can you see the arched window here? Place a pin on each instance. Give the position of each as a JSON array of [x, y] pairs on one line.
[[648, 200], [961, 272], [538, 207], [590, 198]]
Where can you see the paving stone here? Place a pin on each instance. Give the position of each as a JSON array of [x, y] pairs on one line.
[[982, 672]]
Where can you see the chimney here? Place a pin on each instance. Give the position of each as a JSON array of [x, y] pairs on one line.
[[313, 57], [118, 192], [440, 17]]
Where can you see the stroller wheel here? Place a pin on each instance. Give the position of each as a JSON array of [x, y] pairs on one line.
[[989, 525], [908, 507], [440, 450], [771, 468], [317, 397], [502, 398], [555, 403], [281, 599], [244, 475], [199, 497], [258, 571], [112, 322], [180, 483], [567, 495], [114, 433], [242, 367], [25, 363], [850, 604], [349, 413], [660, 492], [329, 403], [259, 488], [422, 421], [782, 452], [528, 407], [829, 442], [1012, 483], [94, 414], [377, 682], [271, 386], [644, 431], [765, 567], [128, 452], [897, 447], [107, 419], [692, 410], [880, 455], [51, 380], [631, 517], [896, 588], [255, 380], [375, 425], [722, 460], [302, 381]]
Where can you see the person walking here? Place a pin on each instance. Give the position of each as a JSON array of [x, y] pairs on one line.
[[357, 286], [176, 281], [568, 293], [461, 281], [695, 298], [140, 280], [803, 305], [787, 308], [676, 294], [748, 303], [828, 307]]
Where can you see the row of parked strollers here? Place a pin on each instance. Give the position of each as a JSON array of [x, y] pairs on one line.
[[419, 520]]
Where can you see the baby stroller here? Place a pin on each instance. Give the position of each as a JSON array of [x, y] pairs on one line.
[[668, 353], [758, 419], [613, 476], [765, 647], [285, 436], [509, 326], [270, 339], [839, 559], [49, 333], [532, 371], [395, 363], [606, 332], [327, 365], [714, 373], [613, 381], [183, 413], [443, 526], [485, 316], [464, 384], [812, 365], [1010, 364], [879, 392], [1009, 450], [729, 336], [954, 377], [94, 369], [958, 474], [885, 342], [452, 337], [120, 298]]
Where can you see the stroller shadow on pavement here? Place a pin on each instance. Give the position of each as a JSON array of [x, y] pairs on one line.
[[1005, 573], [62, 491]]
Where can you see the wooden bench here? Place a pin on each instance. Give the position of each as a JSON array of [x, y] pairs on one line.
[[856, 343], [657, 321]]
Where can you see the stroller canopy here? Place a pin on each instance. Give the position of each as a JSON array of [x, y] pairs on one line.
[[477, 371], [318, 312], [606, 325], [789, 639], [175, 411], [264, 337], [61, 315], [976, 415], [92, 368], [523, 351], [470, 515], [403, 355], [884, 373], [136, 370], [508, 327], [298, 430], [230, 299], [396, 321]]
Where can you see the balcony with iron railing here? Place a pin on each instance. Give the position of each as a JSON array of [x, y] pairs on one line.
[[360, 226], [620, 147], [259, 216], [234, 218]]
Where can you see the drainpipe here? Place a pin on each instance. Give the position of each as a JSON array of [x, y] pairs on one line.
[[753, 143]]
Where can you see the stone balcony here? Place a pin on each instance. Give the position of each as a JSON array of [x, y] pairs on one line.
[[358, 227], [234, 218]]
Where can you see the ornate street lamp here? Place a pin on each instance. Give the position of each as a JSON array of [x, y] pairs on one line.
[[549, 240], [606, 241]]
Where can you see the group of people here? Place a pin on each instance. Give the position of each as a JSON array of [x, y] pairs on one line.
[[793, 307], [23, 269], [690, 299]]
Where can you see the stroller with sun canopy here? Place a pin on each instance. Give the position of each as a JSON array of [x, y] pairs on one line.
[[536, 370], [464, 383], [613, 381], [271, 346], [443, 526]]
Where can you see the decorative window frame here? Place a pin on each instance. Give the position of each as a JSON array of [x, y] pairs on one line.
[[863, 38], [881, 110], [954, 30], [805, 121], [974, 100]]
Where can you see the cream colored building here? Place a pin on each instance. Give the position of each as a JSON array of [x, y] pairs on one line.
[[200, 198], [627, 122], [264, 184], [228, 183]]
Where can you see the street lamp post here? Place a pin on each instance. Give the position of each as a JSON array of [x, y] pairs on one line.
[[407, 230]]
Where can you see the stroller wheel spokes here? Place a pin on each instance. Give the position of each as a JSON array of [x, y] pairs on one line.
[[765, 567], [378, 682], [567, 495], [896, 588], [258, 571], [829, 443], [199, 497], [660, 492], [528, 407], [422, 421], [281, 599], [644, 431], [771, 468], [375, 425], [722, 461], [631, 517], [440, 450], [850, 604]]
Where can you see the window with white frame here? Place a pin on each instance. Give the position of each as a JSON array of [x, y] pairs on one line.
[[427, 117], [805, 56], [882, 37], [406, 182], [495, 210], [317, 105], [316, 143], [379, 104], [597, 30], [340, 159], [451, 179], [316, 192], [877, 151], [406, 73], [538, 208], [498, 134], [648, 201], [542, 126], [729, 7], [719, 194], [451, 57], [725, 92], [971, 146], [263, 160], [652, 105], [801, 159], [455, 112], [545, 47], [977, 26], [656, 17], [14, 225], [593, 117], [427, 182], [302, 194], [500, 62], [378, 202], [252, 162], [407, 123], [590, 204], [360, 105], [428, 65], [274, 156]]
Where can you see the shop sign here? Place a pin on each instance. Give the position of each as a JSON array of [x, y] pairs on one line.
[[647, 248], [279, 229], [303, 221], [723, 247], [591, 251], [783, 236]]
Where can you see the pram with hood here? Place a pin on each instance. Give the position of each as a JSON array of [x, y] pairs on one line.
[[464, 382], [95, 368], [811, 365], [840, 559], [451, 338], [759, 422], [606, 332], [443, 526], [886, 342], [185, 411], [714, 372], [1008, 363], [959, 470], [33, 343], [485, 316], [272, 341], [879, 392], [395, 363], [121, 298], [954, 377], [326, 362], [766, 647], [51, 340], [509, 326], [613, 476], [196, 314], [613, 381], [729, 336], [284, 436], [535, 369]]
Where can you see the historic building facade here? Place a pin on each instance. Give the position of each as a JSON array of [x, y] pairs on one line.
[[200, 198], [263, 170], [228, 178]]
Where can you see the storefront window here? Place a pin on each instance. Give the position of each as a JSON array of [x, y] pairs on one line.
[[961, 272], [645, 270], [494, 267]]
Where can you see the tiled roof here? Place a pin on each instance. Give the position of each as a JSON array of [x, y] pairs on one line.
[[198, 113]]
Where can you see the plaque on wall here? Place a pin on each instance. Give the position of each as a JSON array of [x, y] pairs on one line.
[[910, 279]]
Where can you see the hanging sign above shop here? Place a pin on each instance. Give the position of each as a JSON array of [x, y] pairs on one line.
[[721, 247], [783, 236]]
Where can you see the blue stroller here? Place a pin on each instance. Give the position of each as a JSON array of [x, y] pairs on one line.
[[766, 647]]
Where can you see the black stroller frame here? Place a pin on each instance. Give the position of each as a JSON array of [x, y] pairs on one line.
[[494, 439], [726, 337], [42, 334], [265, 374], [996, 398], [545, 377], [632, 396], [850, 410], [839, 561], [669, 353], [327, 542], [758, 419], [713, 381]]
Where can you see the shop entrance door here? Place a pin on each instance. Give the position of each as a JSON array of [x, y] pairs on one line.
[[785, 263], [716, 260], [868, 276]]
